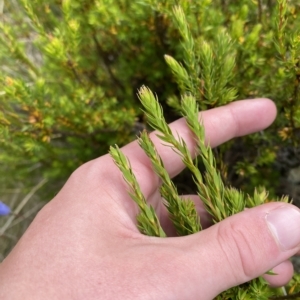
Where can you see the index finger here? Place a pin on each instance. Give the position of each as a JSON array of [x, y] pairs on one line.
[[221, 124]]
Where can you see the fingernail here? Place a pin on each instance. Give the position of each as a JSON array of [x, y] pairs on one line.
[[284, 223]]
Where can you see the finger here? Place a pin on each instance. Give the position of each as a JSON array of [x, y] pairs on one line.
[[284, 273], [221, 124], [238, 249]]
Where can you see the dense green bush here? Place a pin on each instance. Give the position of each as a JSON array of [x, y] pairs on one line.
[[70, 71]]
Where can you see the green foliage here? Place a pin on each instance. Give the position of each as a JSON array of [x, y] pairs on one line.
[[182, 213], [70, 70], [220, 201], [68, 80], [147, 219]]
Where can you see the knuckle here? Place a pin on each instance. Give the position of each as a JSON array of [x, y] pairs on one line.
[[90, 170], [238, 247]]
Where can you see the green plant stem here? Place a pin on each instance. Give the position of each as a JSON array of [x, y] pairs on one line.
[[148, 221], [182, 212]]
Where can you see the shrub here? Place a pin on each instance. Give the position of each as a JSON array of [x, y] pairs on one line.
[[70, 71]]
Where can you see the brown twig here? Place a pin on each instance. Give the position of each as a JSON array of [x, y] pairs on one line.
[[260, 9], [286, 297], [106, 63]]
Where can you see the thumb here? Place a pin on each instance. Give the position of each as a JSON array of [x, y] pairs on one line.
[[243, 247]]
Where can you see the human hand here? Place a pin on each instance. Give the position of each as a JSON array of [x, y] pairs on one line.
[[84, 244]]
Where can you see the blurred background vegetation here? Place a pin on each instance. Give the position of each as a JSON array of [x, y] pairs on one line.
[[70, 70]]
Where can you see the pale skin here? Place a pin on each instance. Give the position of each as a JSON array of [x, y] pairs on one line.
[[84, 244]]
